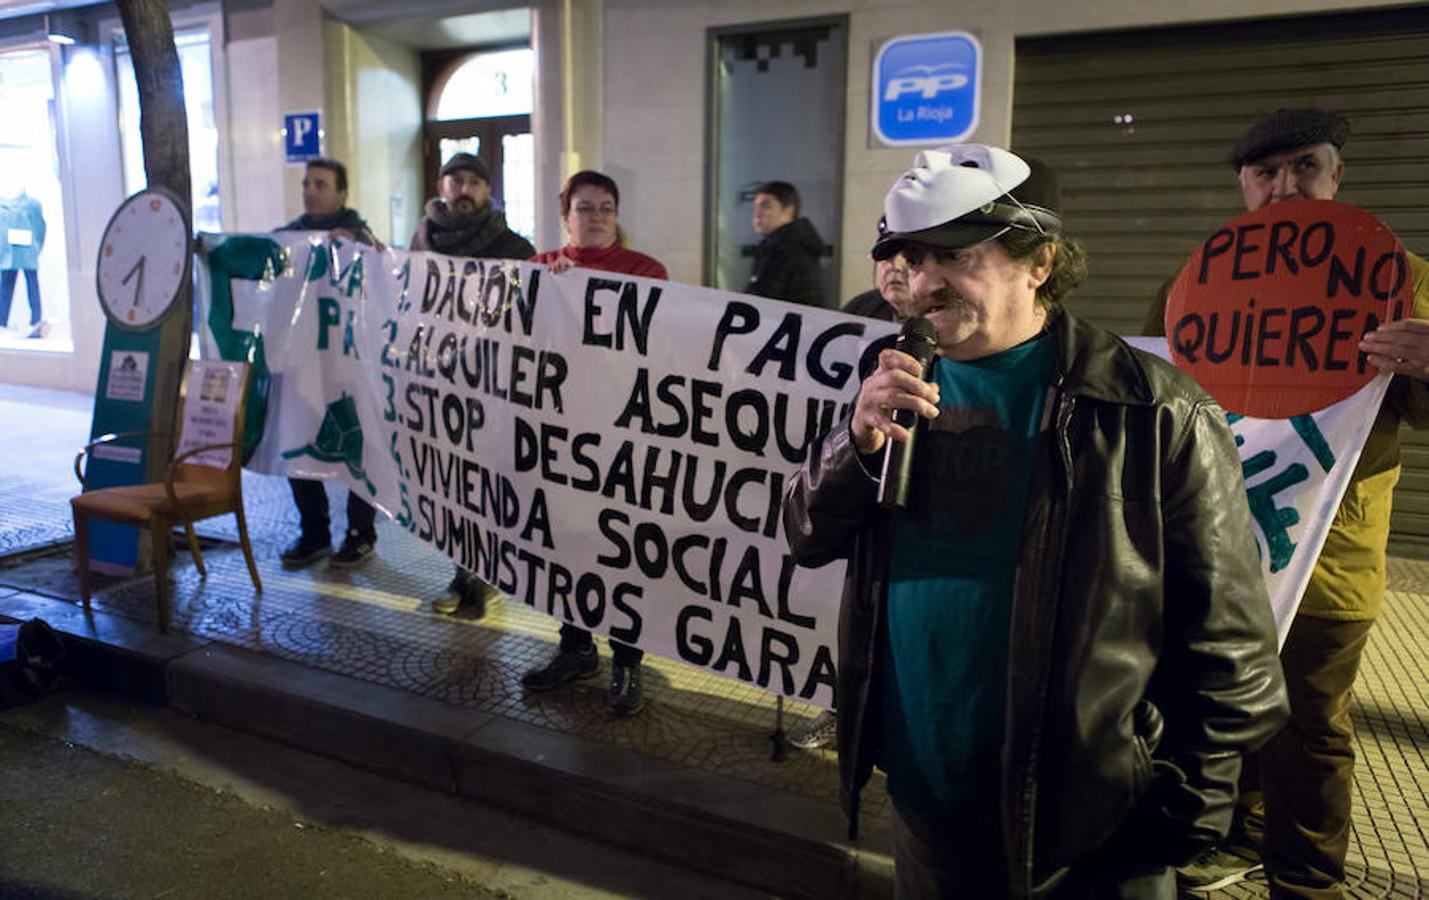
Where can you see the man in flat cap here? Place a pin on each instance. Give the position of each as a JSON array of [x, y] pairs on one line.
[[462, 220], [1294, 813], [1059, 649]]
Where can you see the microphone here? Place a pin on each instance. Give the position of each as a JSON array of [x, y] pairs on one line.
[[918, 339]]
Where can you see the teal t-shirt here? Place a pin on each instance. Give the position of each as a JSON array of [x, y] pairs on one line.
[[955, 555]]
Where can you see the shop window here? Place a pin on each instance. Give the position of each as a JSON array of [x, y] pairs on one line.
[[34, 271], [196, 64]]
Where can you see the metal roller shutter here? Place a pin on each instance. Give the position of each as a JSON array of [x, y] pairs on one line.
[[1139, 124]]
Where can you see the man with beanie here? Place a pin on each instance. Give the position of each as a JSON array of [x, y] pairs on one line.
[[1294, 812], [1058, 650], [786, 262], [325, 209], [463, 221]]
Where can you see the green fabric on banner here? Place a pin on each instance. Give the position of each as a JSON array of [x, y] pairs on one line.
[[250, 258]]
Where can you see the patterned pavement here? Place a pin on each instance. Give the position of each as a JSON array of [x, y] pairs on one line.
[[375, 623]]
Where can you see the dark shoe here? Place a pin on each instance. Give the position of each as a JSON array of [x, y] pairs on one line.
[[306, 550], [354, 551], [627, 696], [464, 596], [1216, 868], [820, 731], [565, 666]]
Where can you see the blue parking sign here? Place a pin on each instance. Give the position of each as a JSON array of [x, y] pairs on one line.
[[302, 136], [926, 88]]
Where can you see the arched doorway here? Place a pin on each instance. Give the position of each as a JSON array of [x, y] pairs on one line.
[[481, 104]]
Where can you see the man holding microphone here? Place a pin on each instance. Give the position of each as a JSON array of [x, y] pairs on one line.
[[1060, 646]]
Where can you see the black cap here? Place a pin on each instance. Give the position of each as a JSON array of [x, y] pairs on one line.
[[466, 161], [1288, 129]]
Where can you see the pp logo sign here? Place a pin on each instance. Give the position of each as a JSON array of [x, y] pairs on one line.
[[302, 136], [927, 88]]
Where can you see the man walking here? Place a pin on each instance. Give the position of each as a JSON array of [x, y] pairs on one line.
[[786, 262]]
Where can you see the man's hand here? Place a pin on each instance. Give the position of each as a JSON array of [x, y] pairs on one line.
[[1400, 347], [895, 384], [560, 264]]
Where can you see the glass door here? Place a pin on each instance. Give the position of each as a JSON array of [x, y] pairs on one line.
[[777, 97]]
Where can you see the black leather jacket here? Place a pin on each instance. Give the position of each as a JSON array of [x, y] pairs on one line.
[[1142, 659]]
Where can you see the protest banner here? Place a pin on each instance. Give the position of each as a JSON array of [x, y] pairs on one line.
[[613, 451], [1296, 471], [610, 450]]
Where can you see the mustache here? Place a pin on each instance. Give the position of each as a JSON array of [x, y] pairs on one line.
[[945, 298]]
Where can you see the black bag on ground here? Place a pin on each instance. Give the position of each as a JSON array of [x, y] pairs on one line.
[[31, 662]]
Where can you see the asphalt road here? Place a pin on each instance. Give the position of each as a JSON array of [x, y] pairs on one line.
[[101, 797], [78, 824]]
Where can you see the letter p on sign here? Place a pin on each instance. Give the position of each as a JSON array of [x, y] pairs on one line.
[[927, 88], [302, 136]]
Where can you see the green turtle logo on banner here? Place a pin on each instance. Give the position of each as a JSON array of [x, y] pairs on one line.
[[339, 439]]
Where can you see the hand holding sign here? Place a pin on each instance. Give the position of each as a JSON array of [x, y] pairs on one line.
[[1400, 347], [1269, 313]]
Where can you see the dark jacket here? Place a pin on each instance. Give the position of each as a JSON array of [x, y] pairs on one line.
[[482, 235], [786, 265], [346, 218], [871, 305], [1142, 658]]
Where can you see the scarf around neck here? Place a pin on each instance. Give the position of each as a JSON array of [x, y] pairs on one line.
[[457, 235]]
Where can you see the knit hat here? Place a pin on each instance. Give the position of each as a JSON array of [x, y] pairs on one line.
[[965, 194], [1288, 129], [466, 161]]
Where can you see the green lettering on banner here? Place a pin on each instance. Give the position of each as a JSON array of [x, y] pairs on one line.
[[329, 315], [1275, 521], [244, 258]]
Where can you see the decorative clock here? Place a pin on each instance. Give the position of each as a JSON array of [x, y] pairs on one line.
[[144, 259]]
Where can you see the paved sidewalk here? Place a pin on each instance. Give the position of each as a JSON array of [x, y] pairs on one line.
[[374, 624]]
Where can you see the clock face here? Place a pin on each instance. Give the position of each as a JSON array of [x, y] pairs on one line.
[[144, 259]]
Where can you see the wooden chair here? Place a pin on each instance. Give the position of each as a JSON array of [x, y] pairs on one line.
[[203, 480]]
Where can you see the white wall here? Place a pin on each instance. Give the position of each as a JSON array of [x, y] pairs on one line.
[[255, 136], [375, 127]]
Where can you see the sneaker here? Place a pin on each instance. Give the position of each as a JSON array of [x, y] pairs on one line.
[[40, 330], [466, 596], [354, 551], [820, 731], [1214, 869], [627, 696], [306, 550], [565, 666]]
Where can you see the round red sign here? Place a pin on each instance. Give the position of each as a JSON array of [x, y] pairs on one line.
[[1268, 313]]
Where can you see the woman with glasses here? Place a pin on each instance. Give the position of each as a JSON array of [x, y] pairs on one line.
[[590, 206]]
